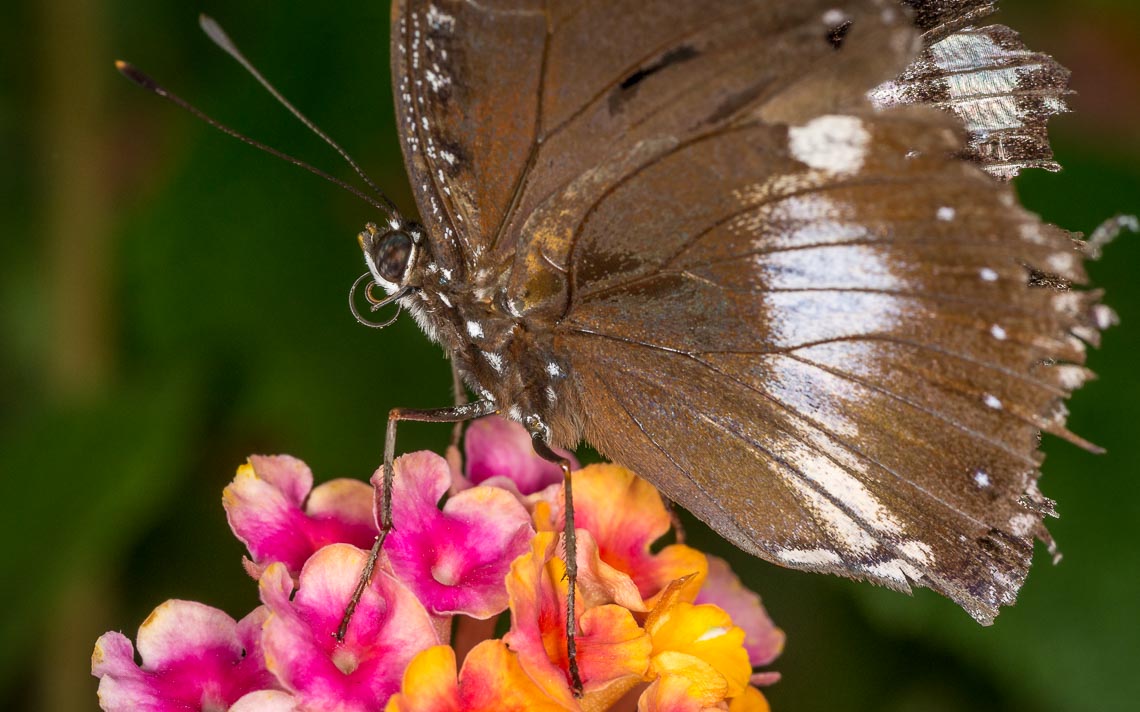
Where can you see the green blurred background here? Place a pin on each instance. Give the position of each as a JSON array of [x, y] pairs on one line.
[[172, 301]]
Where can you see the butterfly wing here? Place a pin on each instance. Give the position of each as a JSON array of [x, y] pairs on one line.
[[829, 374], [499, 101], [465, 77], [830, 352], [802, 319], [1004, 93]]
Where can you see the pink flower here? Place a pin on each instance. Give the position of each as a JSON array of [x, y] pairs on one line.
[[456, 559], [666, 630], [388, 628], [272, 511], [194, 657], [499, 452]]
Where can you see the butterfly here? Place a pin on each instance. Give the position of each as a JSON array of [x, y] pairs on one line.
[[762, 253]]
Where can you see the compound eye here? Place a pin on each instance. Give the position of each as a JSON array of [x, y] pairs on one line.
[[391, 256]]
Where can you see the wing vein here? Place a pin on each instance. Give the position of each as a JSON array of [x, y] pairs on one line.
[[701, 488], [535, 142], [835, 438], [859, 521], [822, 342], [917, 406]]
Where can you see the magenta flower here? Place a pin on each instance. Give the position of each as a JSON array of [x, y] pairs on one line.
[[499, 452], [272, 511], [659, 629], [389, 627], [194, 657], [455, 559]]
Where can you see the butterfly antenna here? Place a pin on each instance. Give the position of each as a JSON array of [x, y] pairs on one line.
[[138, 77], [219, 37]]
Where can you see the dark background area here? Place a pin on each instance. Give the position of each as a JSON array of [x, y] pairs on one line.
[[171, 301]]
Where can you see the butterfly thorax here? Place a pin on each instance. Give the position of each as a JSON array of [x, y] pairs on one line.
[[503, 355]]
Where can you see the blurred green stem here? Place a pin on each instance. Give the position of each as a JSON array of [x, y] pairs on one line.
[[77, 284], [76, 204]]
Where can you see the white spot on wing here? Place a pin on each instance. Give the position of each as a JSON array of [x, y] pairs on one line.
[[843, 487], [998, 332], [1022, 524], [830, 267], [918, 551], [987, 274], [981, 478], [837, 144], [437, 79], [991, 401], [946, 213], [889, 570], [1104, 316], [1061, 262], [474, 330], [809, 557], [1070, 377], [439, 20], [834, 17], [981, 97]]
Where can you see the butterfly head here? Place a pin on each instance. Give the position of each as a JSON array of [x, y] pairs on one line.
[[392, 254]]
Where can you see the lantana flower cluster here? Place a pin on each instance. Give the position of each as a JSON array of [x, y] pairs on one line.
[[658, 628]]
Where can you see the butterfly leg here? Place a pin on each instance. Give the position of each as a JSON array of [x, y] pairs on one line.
[[547, 453], [459, 391], [453, 414]]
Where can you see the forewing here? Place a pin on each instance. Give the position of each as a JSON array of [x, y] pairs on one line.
[[515, 112], [466, 77], [1004, 93]]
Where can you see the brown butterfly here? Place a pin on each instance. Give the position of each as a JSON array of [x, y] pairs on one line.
[[761, 252], [751, 251]]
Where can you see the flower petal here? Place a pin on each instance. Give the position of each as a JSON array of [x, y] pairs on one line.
[[612, 648], [492, 680], [266, 701], [752, 700], [429, 683], [193, 657], [388, 628], [626, 516], [762, 639], [455, 560], [267, 510], [688, 688], [497, 447], [704, 633]]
